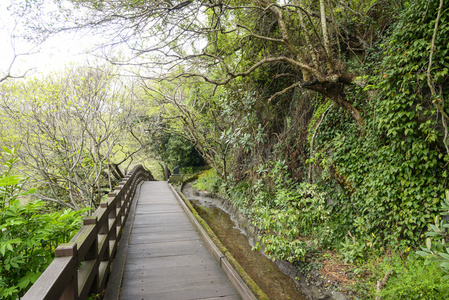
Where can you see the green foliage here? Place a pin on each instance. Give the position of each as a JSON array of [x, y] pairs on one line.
[[176, 151], [376, 186], [28, 235], [27, 242], [387, 180], [413, 279], [356, 250], [239, 192], [188, 131], [292, 217], [436, 250], [392, 193], [240, 104], [208, 181], [317, 114]]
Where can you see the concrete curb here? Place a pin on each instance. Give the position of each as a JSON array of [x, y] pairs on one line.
[[213, 245]]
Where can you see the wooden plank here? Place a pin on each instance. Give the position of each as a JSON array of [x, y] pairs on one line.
[[167, 249], [162, 262], [185, 277], [238, 283], [179, 220], [159, 228], [187, 291], [155, 209], [172, 217], [169, 270], [159, 237], [87, 273], [51, 283], [84, 238]]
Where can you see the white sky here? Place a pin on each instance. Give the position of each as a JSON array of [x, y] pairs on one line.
[[53, 55], [59, 51]]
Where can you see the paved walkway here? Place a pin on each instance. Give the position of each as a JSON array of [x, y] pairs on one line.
[[166, 259]]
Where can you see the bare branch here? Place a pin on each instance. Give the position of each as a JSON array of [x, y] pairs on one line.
[[7, 74], [284, 91]]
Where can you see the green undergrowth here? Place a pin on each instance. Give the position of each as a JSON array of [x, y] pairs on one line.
[[295, 224], [190, 174], [29, 232], [313, 180], [208, 181], [411, 278]]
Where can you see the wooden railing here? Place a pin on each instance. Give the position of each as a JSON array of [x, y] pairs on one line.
[[81, 267]]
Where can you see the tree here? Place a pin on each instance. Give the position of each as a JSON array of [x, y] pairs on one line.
[[183, 112], [220, 41], [71, 129], [275, 48]]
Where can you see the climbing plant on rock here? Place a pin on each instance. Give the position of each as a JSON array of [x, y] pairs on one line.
[[393, 176]]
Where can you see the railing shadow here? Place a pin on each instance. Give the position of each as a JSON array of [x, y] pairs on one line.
[[81, 267]]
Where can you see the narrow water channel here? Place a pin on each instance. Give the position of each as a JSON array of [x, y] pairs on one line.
[[262, 270]]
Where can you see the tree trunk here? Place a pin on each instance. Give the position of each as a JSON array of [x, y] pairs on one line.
[[327, 47], [334, 91], [355, 113]]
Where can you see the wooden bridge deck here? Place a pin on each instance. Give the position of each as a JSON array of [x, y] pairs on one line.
[[165, 258]]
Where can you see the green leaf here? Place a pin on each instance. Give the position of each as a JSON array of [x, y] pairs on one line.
[[9, 180], [429, 244]]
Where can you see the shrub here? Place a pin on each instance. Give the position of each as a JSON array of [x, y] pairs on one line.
[[292, 217], [28, 239], [413, 279], [436, 249], [208, 181]]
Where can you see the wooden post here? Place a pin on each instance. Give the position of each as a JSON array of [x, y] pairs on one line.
[[71, 289], [118, 207], [104, 230], [166, 172], [113, 215], [92, 253]]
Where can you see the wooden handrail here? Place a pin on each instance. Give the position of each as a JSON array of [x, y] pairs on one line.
[[81, 266]]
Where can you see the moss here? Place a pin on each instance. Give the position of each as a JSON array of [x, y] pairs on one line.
[[189, 178]]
